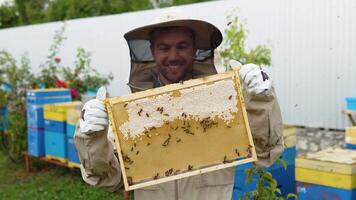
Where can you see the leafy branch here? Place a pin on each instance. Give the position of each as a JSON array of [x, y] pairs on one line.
[[234, 46], [266, 186]]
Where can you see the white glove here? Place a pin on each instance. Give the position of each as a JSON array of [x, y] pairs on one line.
[[94, 116], [255, 80]]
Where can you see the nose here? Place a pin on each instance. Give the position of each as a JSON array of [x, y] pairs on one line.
[[173, 55]]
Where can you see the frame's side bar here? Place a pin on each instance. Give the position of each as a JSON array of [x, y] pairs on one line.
[[242, 104], [109, 106]]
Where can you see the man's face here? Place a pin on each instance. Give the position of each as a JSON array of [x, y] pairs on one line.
[[173, 51]]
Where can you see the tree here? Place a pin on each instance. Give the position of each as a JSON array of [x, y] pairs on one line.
[[234, 47], [8, 16]]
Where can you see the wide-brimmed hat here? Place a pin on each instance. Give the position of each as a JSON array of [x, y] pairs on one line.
[[207, 36]]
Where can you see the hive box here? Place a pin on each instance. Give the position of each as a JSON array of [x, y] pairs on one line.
[[350, 103], [334, 168], [181, 130]]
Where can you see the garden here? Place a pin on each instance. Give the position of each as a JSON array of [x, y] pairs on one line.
[[49, 181]]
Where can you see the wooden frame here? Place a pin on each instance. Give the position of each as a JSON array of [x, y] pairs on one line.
[[218, 139]]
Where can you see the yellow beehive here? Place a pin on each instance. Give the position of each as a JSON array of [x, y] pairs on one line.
[[181, 130], [330, 167], [289, 135], [350, 135], [58, 111], [73, 115]]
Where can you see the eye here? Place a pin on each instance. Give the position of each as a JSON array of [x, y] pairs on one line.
[[163, 48], [182, 46]]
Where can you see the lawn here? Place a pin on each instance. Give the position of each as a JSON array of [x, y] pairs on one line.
[[46, 181]]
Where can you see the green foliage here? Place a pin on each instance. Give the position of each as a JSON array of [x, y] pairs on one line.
[[31, 11], [19, 77], [8, 16], [266, 186], [46, 181], [83, 77], [80, 79], [50, 70], [25, 12], [234, 47]]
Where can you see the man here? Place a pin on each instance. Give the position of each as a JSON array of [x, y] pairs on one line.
[[164, 53]]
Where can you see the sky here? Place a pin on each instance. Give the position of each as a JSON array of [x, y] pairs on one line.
[[3, 1]]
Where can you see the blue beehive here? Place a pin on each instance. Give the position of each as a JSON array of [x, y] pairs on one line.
[[350, 103], [55, 126], [316, 192], [350, 146], [72, 151], [35, 99], [285, 178], [70, 130], [55, 145], [3, 118], [35, 140]]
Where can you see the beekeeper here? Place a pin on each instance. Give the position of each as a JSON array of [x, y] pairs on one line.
[[168, 51]]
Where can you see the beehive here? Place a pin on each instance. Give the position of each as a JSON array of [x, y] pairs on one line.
[[289, 135], [350, 137], [330, 167], [181, 130]]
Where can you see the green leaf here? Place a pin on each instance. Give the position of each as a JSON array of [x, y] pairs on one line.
[[291, 195]]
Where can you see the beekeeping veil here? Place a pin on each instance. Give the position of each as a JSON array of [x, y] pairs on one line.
[[143, 68]]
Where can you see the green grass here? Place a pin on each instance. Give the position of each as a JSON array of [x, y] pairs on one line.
[[46, 181]]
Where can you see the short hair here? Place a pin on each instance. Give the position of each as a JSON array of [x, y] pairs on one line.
[[155, 31]]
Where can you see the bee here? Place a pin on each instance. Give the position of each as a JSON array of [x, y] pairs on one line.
[[230, 97], [127, 168], [135, 144], [160, 110], [190, 167], [186, 130], [225, 159], [139, 112], [228, 126], [249, 152], [165, 114], [131, 149], [146, 134], [177, 171], [156, 176], [128, 160], [147, 115], [184, 115], [152, 128], [179, 140], [148, 144], [137, 152], [125, 105], [169, 172], [129, 180], [237, 152], [166, 142]]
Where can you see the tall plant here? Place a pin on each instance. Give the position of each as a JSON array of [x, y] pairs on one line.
[[234, 46], [51, 69], [80, 78], [18, 77], [266, 185]]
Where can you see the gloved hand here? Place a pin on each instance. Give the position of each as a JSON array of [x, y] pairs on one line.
[[255, 80], [94, 116]]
